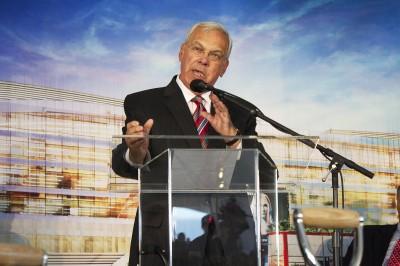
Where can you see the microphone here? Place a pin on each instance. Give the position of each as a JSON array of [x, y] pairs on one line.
[[198, 85]]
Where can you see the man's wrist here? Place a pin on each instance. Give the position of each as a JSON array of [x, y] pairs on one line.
[[231, 141], [130, 160]]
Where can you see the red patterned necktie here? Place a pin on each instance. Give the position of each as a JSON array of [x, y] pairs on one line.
[[394, 259], [200, 121]]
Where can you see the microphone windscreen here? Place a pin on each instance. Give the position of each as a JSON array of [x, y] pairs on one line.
[[197, 85]]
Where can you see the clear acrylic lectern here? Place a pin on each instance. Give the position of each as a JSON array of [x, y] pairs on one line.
[[206, 207]]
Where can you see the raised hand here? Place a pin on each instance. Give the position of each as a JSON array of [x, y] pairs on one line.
[[221, 121], [138, 146]]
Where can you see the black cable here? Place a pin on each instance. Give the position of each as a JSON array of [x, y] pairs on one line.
[[160, 253], [341, 231], [341, 180]]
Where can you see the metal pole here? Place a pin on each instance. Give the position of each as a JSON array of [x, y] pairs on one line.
[[336, 234]]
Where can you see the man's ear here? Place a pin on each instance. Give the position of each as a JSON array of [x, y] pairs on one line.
[[224, 67], [181, 52]]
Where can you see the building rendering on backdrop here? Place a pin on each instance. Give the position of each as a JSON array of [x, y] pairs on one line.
[[58, 192]]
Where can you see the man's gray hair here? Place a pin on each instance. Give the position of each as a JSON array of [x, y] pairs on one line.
[[211, 25]]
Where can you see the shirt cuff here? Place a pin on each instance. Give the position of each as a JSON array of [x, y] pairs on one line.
[[136, 165], [236, 146]]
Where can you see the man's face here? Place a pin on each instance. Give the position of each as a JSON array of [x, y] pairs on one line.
[[203, 56]]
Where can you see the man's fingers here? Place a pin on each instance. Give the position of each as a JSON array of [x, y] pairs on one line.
[[214, 97], [219, 106], [148, 125], [132, 124], [134, 127], [207, 116], [135, 142]]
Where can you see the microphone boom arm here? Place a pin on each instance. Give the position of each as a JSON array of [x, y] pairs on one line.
[[253, 110]]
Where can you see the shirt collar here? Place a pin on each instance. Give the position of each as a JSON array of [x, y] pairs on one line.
[[189, 95]]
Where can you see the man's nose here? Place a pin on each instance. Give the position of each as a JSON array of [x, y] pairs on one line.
[[204, 59]]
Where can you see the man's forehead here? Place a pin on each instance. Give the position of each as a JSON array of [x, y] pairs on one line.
[[200, 36]]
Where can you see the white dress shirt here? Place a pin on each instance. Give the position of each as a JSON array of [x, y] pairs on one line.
[[189, 95]]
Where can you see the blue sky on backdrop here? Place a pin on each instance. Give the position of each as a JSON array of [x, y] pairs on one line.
[[311, 65]]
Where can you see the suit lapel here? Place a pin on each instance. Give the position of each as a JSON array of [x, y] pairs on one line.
[[176, 104]]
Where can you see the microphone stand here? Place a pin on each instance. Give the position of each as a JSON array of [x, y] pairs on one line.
[[336, 160]]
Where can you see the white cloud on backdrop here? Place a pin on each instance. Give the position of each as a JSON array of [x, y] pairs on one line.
[[281, 72]]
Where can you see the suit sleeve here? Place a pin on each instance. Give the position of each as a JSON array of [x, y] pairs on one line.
[[118, 163]]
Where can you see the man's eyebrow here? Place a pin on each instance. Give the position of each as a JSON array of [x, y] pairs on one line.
[[197, 42]]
